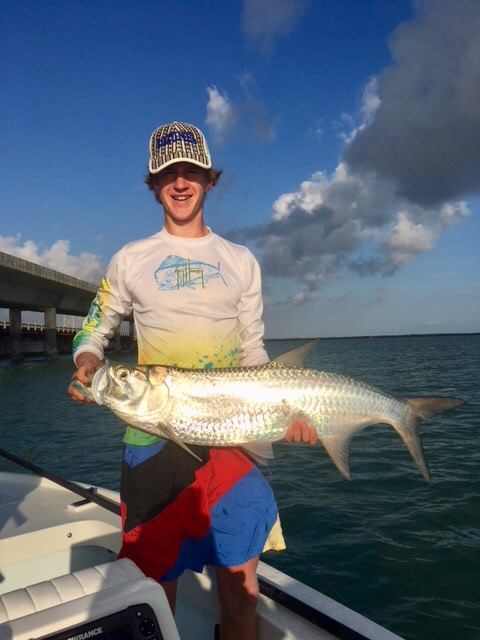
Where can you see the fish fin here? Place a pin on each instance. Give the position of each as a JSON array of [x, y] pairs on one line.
[[260, 451], [171, 436], [338, 448], [296, 357], [427, 407], [218, 271], [409, 431]]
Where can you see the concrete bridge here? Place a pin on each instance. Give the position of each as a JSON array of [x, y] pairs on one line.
[[25, 286]]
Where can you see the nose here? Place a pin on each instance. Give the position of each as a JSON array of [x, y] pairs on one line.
[[180, 183]]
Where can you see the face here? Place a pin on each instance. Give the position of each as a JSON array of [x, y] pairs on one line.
[[181, 189]]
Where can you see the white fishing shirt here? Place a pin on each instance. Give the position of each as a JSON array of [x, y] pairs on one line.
[[196, 302]]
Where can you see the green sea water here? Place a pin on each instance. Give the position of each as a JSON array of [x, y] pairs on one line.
[[387, 544]]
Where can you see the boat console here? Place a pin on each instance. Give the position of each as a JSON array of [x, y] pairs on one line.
[[112, 601]]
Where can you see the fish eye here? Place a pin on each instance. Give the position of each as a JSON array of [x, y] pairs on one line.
[[123, 373]]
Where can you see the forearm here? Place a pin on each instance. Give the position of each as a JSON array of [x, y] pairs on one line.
[[107, 310]]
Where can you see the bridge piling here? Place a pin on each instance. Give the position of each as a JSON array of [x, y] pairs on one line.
[[14, 345], [51, 349]]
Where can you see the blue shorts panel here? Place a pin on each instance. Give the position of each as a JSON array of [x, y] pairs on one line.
[[240, 523]]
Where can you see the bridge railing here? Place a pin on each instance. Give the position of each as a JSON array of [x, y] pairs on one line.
[[40, 327]]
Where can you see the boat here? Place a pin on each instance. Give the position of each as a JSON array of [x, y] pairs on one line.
[[60, 577]]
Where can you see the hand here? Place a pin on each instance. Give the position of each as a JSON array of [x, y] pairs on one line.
[[87, 364], [301, 431]]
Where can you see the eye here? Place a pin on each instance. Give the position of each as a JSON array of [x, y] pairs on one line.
[[123, 373]]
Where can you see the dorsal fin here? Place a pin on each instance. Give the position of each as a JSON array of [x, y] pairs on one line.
[[296, 357]]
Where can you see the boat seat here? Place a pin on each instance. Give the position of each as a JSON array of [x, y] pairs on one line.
[[51, 593], [114, 596]]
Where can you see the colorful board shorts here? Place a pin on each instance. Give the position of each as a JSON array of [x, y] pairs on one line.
[[180, 513]]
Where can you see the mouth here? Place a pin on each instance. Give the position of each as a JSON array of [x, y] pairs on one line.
[[181, 198]]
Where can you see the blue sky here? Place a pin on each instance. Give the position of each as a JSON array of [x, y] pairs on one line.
[[348, 132]]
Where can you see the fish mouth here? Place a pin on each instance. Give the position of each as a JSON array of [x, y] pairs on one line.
[[83, 389], [100, 384]]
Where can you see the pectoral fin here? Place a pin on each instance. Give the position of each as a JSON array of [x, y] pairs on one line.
[[260, 451], [168, 433]]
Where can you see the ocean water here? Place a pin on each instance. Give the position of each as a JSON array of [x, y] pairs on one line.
[[391, 546]]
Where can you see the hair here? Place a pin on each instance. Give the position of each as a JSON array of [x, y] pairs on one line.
[[213, 174]]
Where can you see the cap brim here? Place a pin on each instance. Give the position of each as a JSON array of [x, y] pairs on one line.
[[174, 161]]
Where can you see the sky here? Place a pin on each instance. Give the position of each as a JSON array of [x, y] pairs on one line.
[[348, 133]]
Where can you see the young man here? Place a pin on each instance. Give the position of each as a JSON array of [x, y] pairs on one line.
[[196, 300]]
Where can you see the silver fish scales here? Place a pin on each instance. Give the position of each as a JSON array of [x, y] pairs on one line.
[[253, 406]]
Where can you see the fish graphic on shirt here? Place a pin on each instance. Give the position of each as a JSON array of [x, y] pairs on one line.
[[176, 272]]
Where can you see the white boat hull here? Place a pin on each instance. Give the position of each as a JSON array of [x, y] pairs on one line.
[[47, 531]]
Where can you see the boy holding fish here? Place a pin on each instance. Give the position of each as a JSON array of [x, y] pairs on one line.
[[197, 303]]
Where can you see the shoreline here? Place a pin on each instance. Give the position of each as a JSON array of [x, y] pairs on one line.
[[386, 335]]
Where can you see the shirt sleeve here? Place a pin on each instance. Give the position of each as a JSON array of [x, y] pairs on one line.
[[250, 323], [111, 304]]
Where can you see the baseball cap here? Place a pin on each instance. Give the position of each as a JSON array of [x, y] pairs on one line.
[[178, 142]]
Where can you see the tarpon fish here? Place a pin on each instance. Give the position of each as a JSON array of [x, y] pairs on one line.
[[252, 407]]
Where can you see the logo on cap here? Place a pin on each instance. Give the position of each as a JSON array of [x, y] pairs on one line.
[[176, 136]]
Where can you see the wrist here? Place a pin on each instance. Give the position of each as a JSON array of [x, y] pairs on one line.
[[88, 360]]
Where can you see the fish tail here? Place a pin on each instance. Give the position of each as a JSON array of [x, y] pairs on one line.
[[419, 409]]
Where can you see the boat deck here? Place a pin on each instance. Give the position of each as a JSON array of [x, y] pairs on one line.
[[47, 531]]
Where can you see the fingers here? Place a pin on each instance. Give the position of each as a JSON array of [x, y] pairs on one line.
[[301, 431], [77, 396], [82, 374], [294, 432], [313, 435]]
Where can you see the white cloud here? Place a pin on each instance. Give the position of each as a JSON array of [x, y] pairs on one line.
[[221, 116], [370, 101], [265, 21], [246, 113], [411, 153], [346, 223], [407, 239], [86, 266], [369, 105]]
